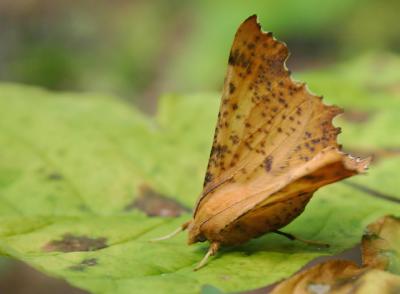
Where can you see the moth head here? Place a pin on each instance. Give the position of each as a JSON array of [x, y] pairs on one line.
[[195, 235]]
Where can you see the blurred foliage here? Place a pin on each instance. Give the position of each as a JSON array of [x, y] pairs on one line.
[[71, 165], [138, 49]]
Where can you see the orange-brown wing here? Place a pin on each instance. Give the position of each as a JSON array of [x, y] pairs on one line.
[[251, 103], [269, 126]]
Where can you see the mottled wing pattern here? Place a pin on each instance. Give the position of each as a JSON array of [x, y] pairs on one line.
[[268, 125]]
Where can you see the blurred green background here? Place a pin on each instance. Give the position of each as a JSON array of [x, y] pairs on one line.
[[138, 50]]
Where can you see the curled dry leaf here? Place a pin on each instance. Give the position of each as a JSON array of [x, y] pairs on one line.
[[380, 246], [371, 282], [340, 277], [274, 146]]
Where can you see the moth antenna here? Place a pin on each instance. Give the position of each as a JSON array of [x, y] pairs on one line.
[[309, 242], [172, 234], [211, 251]]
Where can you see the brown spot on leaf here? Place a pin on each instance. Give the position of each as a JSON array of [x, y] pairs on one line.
[[55, 176], [73, 243], [154, 203], [84, 264]]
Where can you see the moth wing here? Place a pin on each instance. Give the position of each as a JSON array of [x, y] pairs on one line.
[[269, 127]]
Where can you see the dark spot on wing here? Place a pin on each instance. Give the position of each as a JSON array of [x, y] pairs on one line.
[[219, 150], [153, 203], [251, 46], [234, 139], [232, 58], [208, 178], [268, 163], [232, 88], [72, 243]]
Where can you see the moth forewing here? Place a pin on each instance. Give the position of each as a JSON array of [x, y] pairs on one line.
[[274, 146]]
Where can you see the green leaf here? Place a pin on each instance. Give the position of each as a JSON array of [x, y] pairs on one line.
[[72, 165]]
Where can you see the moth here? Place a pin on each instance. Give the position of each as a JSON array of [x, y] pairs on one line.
[[274, 146]]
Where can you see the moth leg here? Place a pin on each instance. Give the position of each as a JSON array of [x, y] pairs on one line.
[[309, 242], [211, 251], [172, 234]]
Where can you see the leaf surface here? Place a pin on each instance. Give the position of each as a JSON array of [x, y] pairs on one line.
[[71, 164]]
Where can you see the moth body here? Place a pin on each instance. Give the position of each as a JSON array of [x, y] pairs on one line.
[[227, 230], [274, 146]]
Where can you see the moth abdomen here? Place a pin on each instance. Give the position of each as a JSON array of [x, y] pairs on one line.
[[260, 221]]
